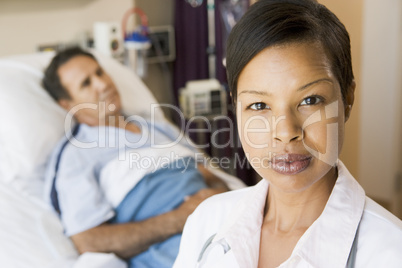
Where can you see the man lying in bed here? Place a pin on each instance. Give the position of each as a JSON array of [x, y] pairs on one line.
[[119, 187]]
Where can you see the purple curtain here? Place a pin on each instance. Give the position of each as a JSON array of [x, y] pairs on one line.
[[220, 69], [191, 43], [191, 31]]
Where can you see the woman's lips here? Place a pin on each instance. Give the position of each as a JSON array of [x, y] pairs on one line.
[[290, 164]]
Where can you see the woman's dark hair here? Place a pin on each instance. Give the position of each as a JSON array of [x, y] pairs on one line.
[[278, 22], [51, 81]]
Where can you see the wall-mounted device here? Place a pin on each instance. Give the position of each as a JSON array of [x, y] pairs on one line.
[[203, 98], [136, 43], [108, 39], [163, 44]]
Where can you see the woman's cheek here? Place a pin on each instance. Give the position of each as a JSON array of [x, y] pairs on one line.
[[314, 137], [255, 133], [322, 141]]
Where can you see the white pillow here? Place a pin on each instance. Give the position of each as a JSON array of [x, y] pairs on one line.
[[32, 122]]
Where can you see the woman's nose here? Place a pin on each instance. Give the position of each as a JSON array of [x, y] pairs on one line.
[[287, 129]]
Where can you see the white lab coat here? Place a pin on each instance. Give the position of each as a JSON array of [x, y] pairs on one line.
[[236, 217]]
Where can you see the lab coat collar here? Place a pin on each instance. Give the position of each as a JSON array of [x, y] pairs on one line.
[[326, 243], [329, 239], [243, 229]]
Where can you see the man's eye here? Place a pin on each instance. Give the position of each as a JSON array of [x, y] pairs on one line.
[[99, 72], [258, 106], [86, 83], [312, 100]]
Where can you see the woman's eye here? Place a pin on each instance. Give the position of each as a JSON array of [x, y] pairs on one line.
[[311, 100], [258, 106]]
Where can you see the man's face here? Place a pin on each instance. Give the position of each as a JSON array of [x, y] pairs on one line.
[[94, 96]]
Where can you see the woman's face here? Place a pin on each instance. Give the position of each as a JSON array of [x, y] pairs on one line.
[[290, 115]]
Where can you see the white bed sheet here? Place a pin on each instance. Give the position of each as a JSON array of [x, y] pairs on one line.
[[32, 236]]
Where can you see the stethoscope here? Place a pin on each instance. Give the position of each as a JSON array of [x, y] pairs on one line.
[[210, 244], [207, 248]]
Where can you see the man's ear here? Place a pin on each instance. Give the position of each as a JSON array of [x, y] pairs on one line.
[[65, 104], [349, 100]]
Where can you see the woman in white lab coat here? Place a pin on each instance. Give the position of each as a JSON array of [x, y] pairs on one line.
[[290, 74]]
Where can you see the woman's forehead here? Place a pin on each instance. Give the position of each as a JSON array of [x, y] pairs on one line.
[[293, 66]]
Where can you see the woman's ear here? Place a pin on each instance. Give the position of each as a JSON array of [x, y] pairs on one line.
[[349, 100]]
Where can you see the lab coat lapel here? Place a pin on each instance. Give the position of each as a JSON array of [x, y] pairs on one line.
[[243, 227], [328, 241], [226, 260]]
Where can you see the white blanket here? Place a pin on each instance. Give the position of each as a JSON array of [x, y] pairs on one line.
[[119, 176]]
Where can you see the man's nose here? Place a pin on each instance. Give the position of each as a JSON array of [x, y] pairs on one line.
[[287, 128], [99, 83]]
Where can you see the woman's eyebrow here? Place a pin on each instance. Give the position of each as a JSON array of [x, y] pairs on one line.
[[255, 92], [315, 82], [264, 93]]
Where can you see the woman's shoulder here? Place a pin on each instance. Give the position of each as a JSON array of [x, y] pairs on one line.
[[223, 202], [213, 212], [230, 195], [380, 237], [204, 223], [378, 223], [236, 200], [374, 214]]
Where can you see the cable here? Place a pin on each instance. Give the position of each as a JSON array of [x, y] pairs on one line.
[[143, 17]]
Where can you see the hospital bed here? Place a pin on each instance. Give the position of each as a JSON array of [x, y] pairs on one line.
[[31, 234]]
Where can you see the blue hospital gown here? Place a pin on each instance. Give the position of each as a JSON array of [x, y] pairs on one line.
[[82, 201]]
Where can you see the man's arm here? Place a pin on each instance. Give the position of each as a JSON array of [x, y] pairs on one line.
[[129, 239]]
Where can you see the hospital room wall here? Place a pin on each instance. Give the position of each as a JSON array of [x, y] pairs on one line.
[[159, 75], [351, 14], [381, 110], [26, 24]]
